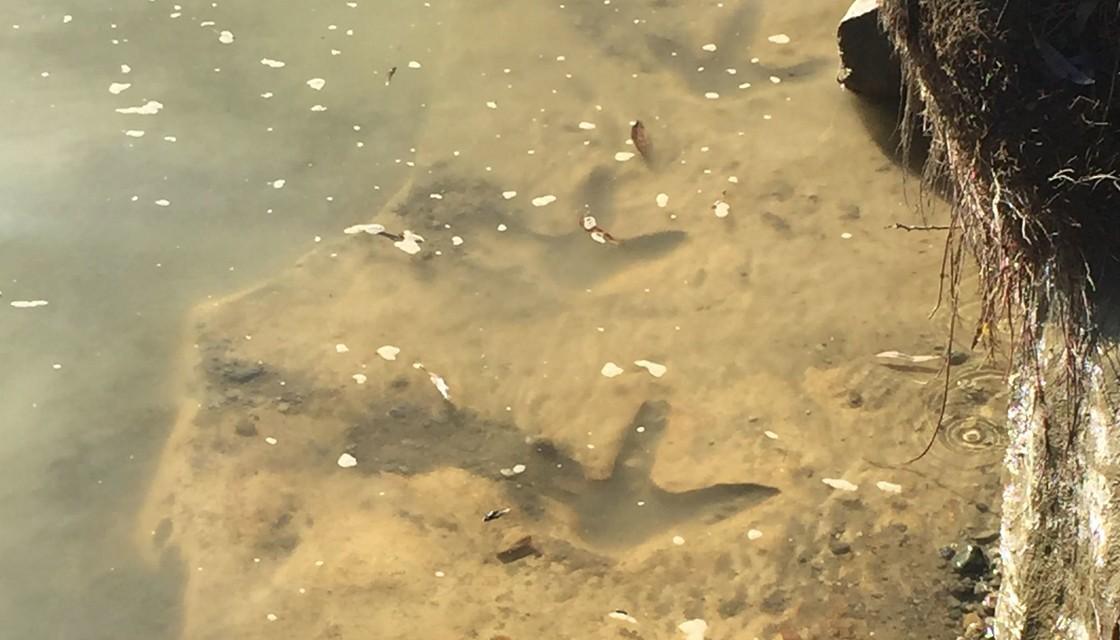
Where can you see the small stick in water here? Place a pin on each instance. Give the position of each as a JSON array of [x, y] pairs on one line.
[[389, 78], [641, 140]]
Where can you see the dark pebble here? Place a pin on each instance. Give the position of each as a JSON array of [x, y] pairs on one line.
[[839, 548], [964, 589]]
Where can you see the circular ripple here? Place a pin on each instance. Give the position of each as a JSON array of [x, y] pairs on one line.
[[973, 436], [974, 431]]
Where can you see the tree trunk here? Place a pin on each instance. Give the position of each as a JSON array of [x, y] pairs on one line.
[[1059, 539], [1019, 98]]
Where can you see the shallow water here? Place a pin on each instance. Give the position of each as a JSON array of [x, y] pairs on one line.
[[138, 489]]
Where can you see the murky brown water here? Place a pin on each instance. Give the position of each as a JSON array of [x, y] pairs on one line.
[[217, 427]]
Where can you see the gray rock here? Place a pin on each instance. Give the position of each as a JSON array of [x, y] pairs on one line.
[[868, 64], [241, 372], [970, 561]]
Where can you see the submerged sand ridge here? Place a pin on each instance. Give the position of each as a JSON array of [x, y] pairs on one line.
[[710, 465], [696, 494]]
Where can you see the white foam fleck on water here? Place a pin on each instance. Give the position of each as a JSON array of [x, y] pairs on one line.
[[207, 23], [28, 304], [711, 95], [410, 243], [279, 183], [170, 138], [775, 79], [441, 385], [271, 440], [662, 200], [678, 540], [745, 85], [225, 37], [502, 227], [271, 617], [623, 156], [117, 87], [456, 240], [721, 208], [371, 229], [149, 108], [266, 95], [733, 179], [275, 64], [388, 352], [611, 370], [508, 195], [67, 18], [888, 487], [587, 126], [545, 200], [846, 236], [693, 629], [779, 38], [770, 434], [134, 133], [491, 104], [622, 615], [318, 108], [360, 378], [163, 202], [435, 196], [754, 534], [656, 370], [412, 64], [840, 483], [317, 83], [126, 69], [341, 348], [347, 461], [711, 46]]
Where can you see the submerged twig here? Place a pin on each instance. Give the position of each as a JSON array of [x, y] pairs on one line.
[[920, 227]]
